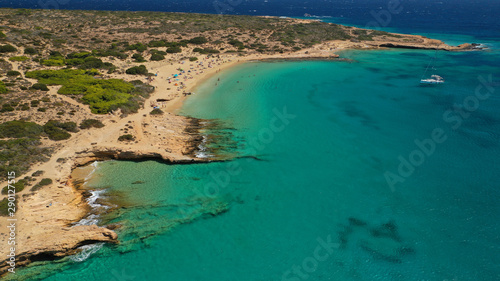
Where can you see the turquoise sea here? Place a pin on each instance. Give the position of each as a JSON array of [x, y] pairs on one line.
[[310, 199]]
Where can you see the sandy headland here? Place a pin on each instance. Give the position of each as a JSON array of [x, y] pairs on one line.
[[45, 226]]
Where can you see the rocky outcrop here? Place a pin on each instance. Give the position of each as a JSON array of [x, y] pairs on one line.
[[90, 155], [68, 242], [45, 226], [463, 47]]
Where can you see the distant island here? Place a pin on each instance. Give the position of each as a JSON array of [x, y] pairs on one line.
[[84, 86]]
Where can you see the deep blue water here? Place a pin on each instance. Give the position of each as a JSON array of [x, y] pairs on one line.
[[471, 17]]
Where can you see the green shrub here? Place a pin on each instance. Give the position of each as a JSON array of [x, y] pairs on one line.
[[198, 40], [130, 106], [206, 51], [126, 138], [235, 42], [157, 44], [7, 49], [173, 50], [154, 51], [30, 51], [3, 88], [54, 132], [157, 57], [19, 58], [92, 62], [2, 35], [52, 62], [81, 55], [193, 59], [101, 95], [19, 154], [20, 129], [137, 70], [42, 183], [74, 62], [13, 73], [6, 107], [91, 123], [39, 86], [110, 53], [68, 126], [138, 47], [38, 173], [4, 206], [138, 58], [45, 182], [156, 111], [55, 54], [102, 98], [18, 187]]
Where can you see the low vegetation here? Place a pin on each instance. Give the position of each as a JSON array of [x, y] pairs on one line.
[[20, 129], [156, 111], [18, 187], [19, 58], [91, 123], [42, 183], [137, 70], [57, 131], [127, 137], [157, 57], [4, 206], [102, 95], [13, 73], [30, 51], [7, 49], [20, 153], [3, 88], [138, 58], [40, 86]]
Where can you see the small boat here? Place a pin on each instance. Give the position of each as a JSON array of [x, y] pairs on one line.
[[435, 79]]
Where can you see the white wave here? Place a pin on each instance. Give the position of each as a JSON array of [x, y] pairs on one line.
[[89, 220], [93, 218], [87, 178], [96, 194], [202, 149], [86, 252]]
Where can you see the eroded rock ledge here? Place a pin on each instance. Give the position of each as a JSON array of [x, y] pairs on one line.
[[67, 244], [463, 47]]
